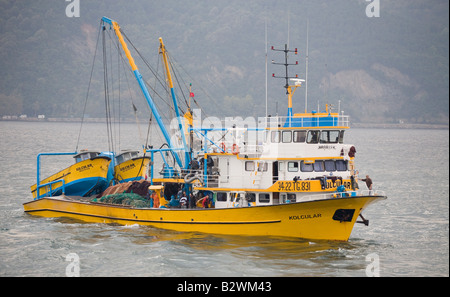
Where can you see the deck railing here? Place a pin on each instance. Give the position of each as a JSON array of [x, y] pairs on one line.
[[307, 121], [49, 188]]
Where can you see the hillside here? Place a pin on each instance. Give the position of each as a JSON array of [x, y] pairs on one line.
[[387, 69]]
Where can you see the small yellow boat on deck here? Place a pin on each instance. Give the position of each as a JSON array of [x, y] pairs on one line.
[[298, 180], [86, 177], [130, 166]]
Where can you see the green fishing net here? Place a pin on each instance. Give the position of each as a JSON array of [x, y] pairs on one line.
[[131, 199]]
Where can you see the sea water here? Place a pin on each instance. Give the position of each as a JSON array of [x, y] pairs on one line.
[[408, 234]]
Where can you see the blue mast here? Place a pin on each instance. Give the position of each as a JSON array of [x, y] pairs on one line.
[[143, 88]]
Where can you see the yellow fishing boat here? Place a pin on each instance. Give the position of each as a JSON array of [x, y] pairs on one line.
[[130, 166], [295, 178], [86, 177], [330, 219]]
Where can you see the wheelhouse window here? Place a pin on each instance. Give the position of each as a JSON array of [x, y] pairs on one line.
[[329, 136], [292, 166], [319, 166], [313, 136], [275, 136], [299, 136], [249, 166], [287, 136], [341, 165], [330, 165], [323, 165], [306, 167]]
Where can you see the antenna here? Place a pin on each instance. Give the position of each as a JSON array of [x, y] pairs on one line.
[[266, 63], [307, 50], [286, 64], [289, 20], [289, 89]]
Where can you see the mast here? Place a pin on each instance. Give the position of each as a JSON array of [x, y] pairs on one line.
[[307, 50], [266, 68], [143, 87], [163, 52]]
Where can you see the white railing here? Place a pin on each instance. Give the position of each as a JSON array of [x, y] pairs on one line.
[[348, 194]]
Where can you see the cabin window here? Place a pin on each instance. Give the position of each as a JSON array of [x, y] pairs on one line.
[[319, 166], [287, 136], [126, 156], [221, 196], [249, 166], [251, 197], [86, 156], [313, 136], [299, 136], [341, 136], [292, 197], [292, 166], [119, 159], [330, 165], [306, 167], [262, 166], [341, 165], [263, 198], [329, 136], [275, 136]]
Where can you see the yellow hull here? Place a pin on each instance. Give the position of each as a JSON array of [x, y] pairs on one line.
[[131, 170], [78, 175], [309, 220]]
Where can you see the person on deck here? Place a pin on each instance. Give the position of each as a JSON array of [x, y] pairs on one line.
[[206, 202], [155, 199], [369, 183], [183, 200]]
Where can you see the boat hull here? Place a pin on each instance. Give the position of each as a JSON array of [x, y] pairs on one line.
[[132, 170], [310, 220], [80, 179]]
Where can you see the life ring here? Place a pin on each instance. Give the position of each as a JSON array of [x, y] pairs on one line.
[[223, 147], [235, 149]]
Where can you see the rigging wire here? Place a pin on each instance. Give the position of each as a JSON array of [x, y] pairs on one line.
[[106, 88], [89, 87], [109, 86], [200, 87]]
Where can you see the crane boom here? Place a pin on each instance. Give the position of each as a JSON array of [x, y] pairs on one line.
[[144, 89], [163, 52]]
